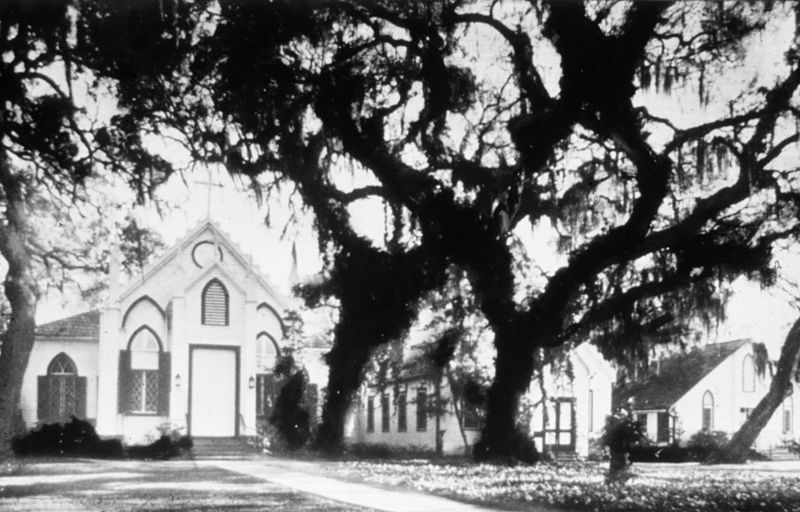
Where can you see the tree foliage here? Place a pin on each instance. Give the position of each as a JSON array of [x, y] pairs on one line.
[[476, 123]]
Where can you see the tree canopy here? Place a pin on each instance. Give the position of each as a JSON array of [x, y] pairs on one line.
[[635, 133]]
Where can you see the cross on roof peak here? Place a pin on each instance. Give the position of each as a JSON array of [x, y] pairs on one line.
[[210, 184]]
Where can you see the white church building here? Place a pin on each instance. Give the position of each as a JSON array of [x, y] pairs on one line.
[[186, 345]]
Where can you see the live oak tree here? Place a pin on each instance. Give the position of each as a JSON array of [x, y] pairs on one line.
[[654, 209], [476, 123], [50, 146]]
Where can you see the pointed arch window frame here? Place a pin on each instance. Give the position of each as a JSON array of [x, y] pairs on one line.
[[61, 391], [226, 303], [707, 414], [155, 381]]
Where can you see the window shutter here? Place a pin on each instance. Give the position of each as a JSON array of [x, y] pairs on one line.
[[80, 397], [43, 396], [124, 383], [164, 387]]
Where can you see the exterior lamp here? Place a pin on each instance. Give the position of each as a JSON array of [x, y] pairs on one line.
[[177, 380], [251, 382]]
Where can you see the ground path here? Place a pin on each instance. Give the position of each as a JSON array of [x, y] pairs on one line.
[[303, 476]]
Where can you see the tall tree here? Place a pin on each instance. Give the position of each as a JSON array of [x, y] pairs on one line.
[[49, 146], [480, 121]]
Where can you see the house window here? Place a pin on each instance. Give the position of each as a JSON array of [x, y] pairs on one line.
[[266, 352], [642, 420], [144, 375], [662, 432], [61, 392], [748, 374], [371, 414], [744, 413], [470, 419], [385, 413], [788, 413], [215, 304], [422, 410], [708, 411], [402, 412]]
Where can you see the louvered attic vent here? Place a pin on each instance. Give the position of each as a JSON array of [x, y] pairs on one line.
[[215, 304]]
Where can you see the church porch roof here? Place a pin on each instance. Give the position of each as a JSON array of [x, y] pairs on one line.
[[82, 325]]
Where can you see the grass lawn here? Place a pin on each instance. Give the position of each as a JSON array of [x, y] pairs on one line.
[[581, 487], [119, 486]]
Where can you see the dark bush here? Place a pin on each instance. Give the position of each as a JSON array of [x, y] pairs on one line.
[[383, 451], [77, 438], [621, 434], [164, 448], [701, 447], [290, 417], [521, 448]]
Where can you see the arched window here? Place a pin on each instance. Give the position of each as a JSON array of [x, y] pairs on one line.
[[215, 304], [266, 353], [748, 374], [61, 393], [61, 365], [788, 416], [144, 374], [708, 411]]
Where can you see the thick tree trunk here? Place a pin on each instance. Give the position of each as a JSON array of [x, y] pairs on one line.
[[20, 289], [738, 447], [346, 362], [501, 439]]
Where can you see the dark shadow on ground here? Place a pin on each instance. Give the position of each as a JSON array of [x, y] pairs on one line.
[[122, 486]]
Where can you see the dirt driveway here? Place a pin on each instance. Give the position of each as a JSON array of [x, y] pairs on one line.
[[117, 486]]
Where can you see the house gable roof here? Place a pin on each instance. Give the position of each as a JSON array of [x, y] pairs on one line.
[[678, 374], [83, 325]]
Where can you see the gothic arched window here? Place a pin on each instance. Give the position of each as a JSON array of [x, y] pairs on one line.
[[144, 374], [708, 411], [61, 393]]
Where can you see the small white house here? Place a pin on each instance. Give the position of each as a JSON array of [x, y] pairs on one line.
[[709, 388], [402, 413], [576, 403], [189, 344]]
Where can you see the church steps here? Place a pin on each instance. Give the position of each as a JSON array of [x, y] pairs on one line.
[[221, 447]]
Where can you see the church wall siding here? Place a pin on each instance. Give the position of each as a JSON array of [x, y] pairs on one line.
[[411, 438], [82, 353], [232, 334]]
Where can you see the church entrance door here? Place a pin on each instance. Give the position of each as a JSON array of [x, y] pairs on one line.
[[213, 392]]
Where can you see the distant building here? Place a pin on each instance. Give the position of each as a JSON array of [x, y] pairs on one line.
[[403, 414], [189, 344], [710, 388]]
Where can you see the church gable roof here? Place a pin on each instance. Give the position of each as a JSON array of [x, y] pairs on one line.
[[195, 235], [677, 376], [83, 325]]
